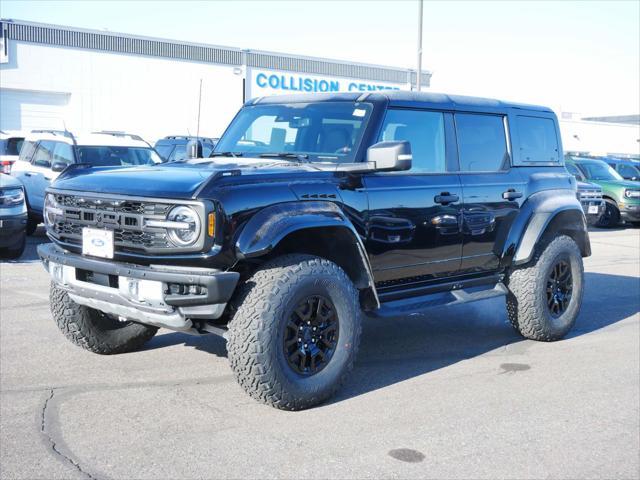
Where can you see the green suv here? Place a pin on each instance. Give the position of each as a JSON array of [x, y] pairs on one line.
[[622, 197]]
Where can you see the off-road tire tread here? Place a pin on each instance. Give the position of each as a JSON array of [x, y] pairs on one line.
[[524, 310], [76, 323], [254, 305]]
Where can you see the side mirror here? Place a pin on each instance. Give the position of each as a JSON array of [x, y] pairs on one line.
[[194, 149], [390, 156], [58, 166]]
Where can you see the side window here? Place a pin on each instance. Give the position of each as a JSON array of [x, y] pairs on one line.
[[424, 131], [62, 153], [538, 139], [628, 171], [573, 170], [482, 144], [26, 152], [44, 154]]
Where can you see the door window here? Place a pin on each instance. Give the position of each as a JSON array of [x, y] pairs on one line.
[[573, 170], [538, 139], [424, 131], [44, 154], [628, 171], [26, 152], [62, 153], [482, 144]]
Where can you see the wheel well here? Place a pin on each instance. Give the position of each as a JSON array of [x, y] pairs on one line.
[[572, 224], [338, 245]]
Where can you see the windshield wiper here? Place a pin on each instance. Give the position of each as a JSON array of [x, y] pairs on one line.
[[225, 154], [301, 157]]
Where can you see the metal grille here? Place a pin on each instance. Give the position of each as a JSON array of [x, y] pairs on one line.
[[126, 218], [588, 195], [120, 43], [123, 44]]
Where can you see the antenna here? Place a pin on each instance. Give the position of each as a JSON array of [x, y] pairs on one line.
[[199, 104]]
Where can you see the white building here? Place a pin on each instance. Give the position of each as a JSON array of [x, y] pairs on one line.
[[85, 80]]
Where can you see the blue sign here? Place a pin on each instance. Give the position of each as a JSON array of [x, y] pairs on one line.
[[296, 83]]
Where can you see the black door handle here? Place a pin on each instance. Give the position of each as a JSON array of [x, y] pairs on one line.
[[445, 198], [511, 194], [27, 174]]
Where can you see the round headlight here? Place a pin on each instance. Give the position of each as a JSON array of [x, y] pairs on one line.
[[51, 210], [188, 231]]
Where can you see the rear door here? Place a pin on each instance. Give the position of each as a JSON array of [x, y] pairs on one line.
[[413, 231], [492, 190]]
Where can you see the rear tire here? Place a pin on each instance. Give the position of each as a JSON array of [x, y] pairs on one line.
[[291, 309], [611, 216], [538, 305], [93, 330]]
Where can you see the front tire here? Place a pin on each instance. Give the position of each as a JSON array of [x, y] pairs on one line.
[[93, 330], [295, 333], [611, 216], [32, 225], [545, 295], [16, 250]]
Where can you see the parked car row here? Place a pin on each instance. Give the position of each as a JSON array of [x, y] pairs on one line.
[[46, 153], [13, 217], [621, 197]]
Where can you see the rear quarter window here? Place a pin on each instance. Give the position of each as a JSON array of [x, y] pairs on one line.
[[538, 139]]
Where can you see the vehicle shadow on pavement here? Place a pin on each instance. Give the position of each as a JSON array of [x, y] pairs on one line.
[[395, 350]]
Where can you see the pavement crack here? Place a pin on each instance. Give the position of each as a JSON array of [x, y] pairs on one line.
[[52, 443]]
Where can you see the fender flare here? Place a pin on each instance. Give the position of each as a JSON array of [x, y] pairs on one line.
[[269, 226], [557, 209]]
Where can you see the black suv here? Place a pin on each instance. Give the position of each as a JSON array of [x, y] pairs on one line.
[[312, 210]]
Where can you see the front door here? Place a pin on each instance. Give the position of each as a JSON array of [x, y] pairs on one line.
[[492, 190], [412, 221]]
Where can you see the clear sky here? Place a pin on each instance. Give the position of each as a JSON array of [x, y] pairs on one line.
[[573, 56]]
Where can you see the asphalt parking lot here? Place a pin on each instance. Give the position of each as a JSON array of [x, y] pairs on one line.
[[452, 394]]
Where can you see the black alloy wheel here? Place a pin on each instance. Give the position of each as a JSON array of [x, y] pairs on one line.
[[559, 288], [311, 335]]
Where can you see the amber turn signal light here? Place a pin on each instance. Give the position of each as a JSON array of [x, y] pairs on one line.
[[211, 230]]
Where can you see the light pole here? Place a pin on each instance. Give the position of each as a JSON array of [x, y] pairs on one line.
[[419, 71]]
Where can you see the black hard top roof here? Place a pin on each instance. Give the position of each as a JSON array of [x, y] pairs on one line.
[[402, 98]]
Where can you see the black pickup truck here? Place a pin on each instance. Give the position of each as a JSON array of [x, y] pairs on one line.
[[312, 211]]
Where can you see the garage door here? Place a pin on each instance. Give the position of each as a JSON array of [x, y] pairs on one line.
[[27, 110]]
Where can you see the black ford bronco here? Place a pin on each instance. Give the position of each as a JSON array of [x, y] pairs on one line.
[[311, 210]]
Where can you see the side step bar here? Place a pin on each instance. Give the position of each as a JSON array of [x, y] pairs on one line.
[[406, 306]]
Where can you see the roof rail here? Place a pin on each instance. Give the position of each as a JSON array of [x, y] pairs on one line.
[[118, 133], [187, 137], [64, 133]]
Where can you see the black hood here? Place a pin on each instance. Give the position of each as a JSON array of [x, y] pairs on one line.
[[170, 180]]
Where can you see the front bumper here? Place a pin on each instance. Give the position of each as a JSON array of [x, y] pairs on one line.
[[630, 213], [163, 296], [590, 205], [11, 227]]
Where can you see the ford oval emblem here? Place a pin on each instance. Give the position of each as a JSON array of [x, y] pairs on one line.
[[97, 242]]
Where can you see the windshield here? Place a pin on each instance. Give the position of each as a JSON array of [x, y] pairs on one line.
[[108, 156], [596, 170], [321, 132], [164, 150]]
